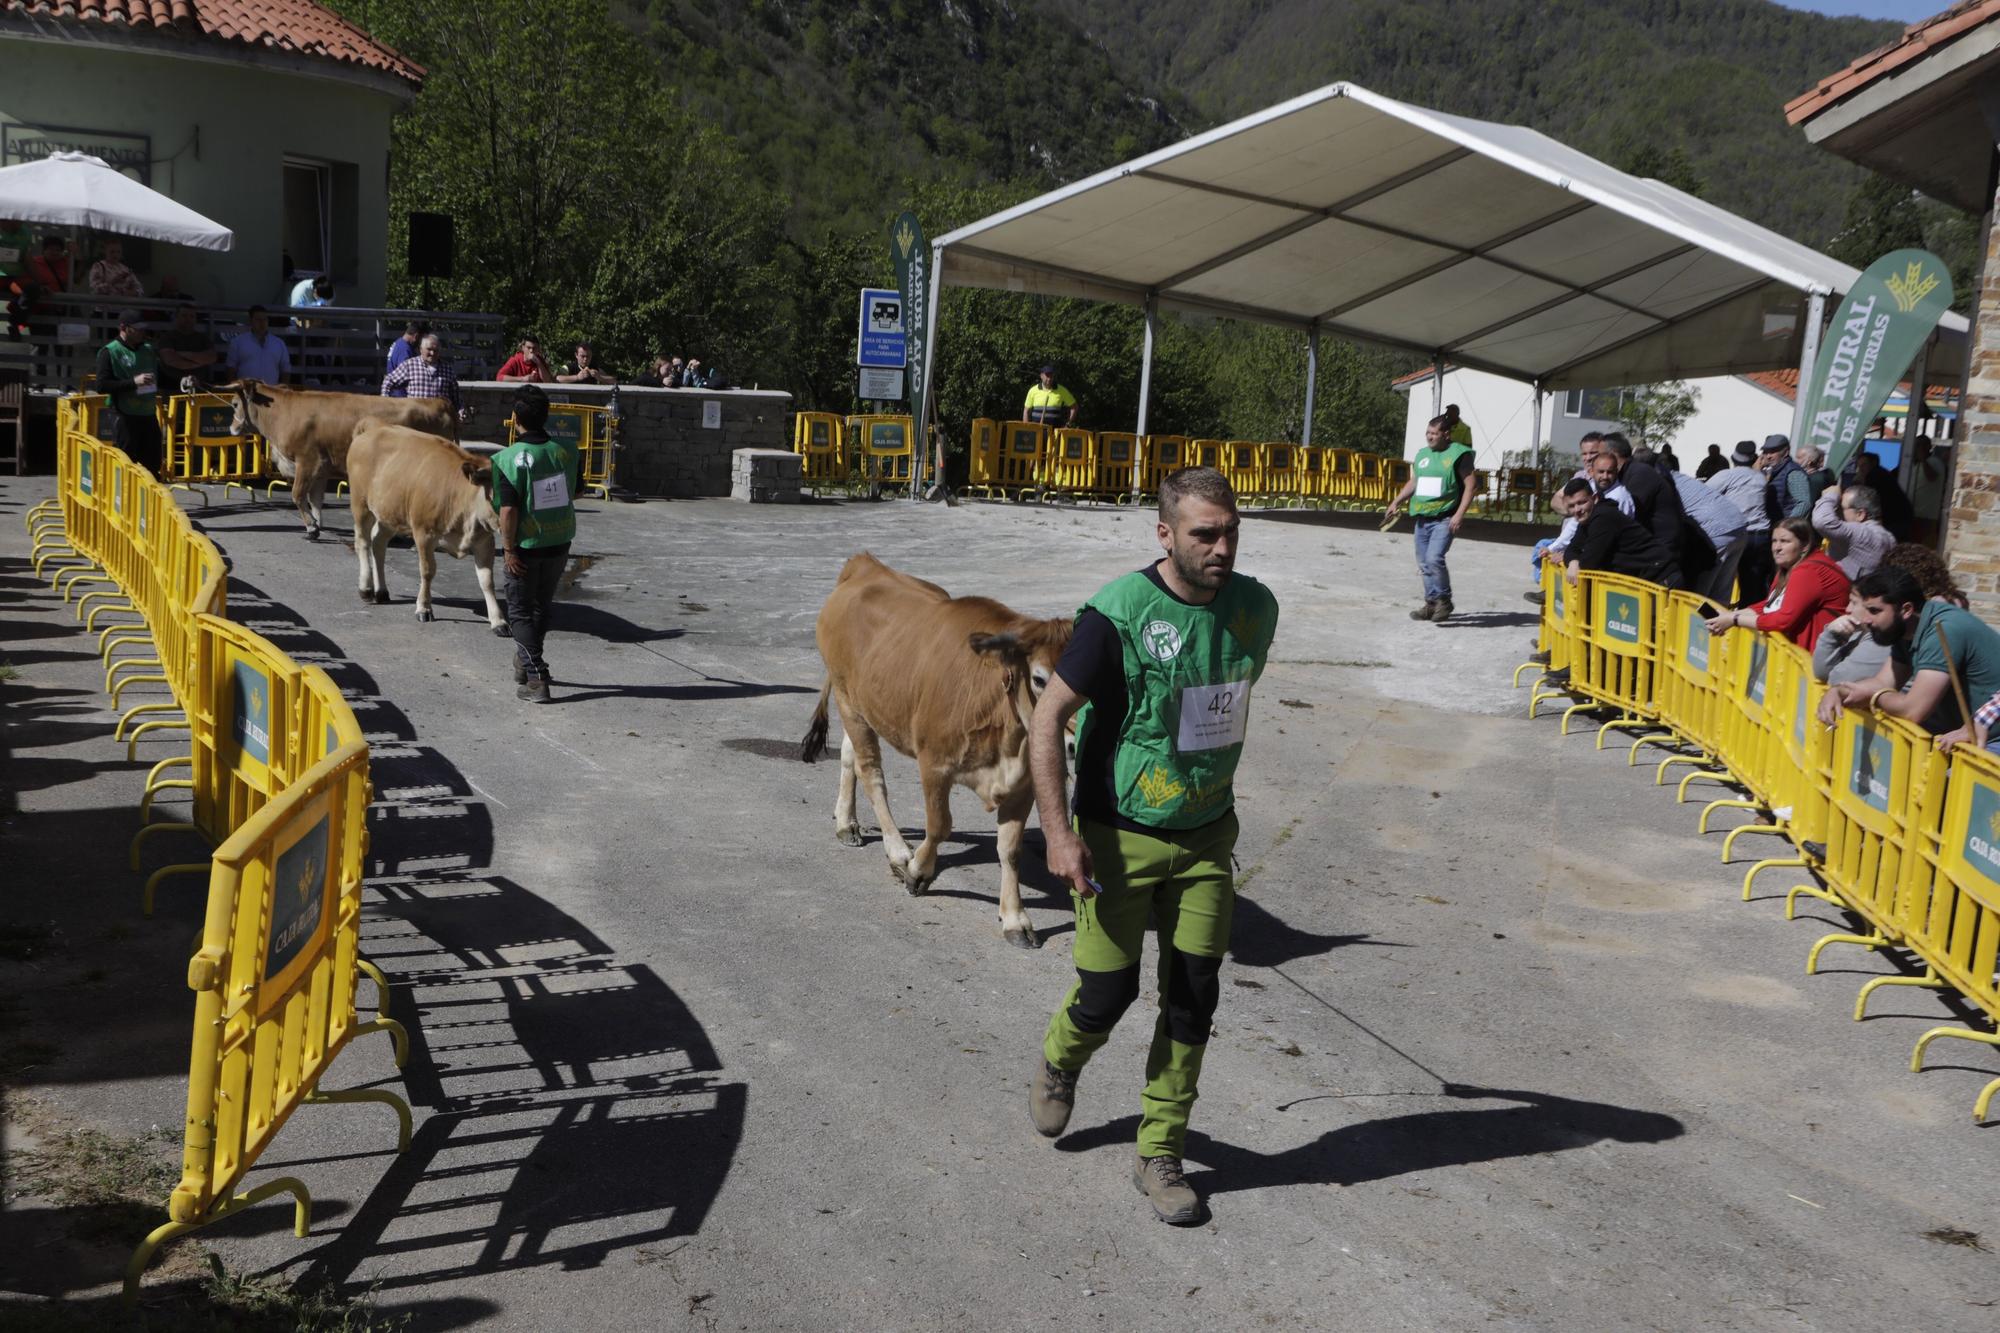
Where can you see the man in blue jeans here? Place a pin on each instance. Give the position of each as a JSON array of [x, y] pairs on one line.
[[1437, 494]]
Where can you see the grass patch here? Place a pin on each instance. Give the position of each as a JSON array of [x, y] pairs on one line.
[[8, 671]]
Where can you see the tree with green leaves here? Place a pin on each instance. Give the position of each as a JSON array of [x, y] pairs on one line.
[[1653, 414]]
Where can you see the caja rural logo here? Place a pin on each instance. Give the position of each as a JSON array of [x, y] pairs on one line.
[[1984, 852], [1911, 286], [1621, 616]]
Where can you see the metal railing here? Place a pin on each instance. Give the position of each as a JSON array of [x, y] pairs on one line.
[[331, 346]]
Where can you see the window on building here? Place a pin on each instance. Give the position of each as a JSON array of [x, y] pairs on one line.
[[1573, 403], [322, 231]]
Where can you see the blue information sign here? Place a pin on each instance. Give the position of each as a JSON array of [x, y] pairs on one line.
[[883, 340]]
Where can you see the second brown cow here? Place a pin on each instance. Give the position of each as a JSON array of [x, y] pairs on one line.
[[949, 681], [405, 481], [308, 430]]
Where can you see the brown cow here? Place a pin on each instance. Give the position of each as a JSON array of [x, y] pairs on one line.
[[403, 481], [949, 681], [308, 432]]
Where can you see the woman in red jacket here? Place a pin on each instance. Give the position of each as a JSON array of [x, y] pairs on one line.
[[1809, 594]]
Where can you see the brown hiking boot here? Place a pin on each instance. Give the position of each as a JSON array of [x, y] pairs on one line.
[[1161, 1181], [1424, 612], [1051, 1097], [1441, 609]]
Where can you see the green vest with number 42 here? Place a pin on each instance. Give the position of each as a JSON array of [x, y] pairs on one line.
[[1188, 673]]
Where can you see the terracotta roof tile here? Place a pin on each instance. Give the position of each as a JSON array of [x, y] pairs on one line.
[[300, 27], [1784, 383], [1917, 41]]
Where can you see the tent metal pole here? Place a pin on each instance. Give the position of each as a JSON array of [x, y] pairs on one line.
[[1808, 354], [923, 441], [1437, 385], [1920, 375], [1535, 441], [1145, 382], [1312, 376]]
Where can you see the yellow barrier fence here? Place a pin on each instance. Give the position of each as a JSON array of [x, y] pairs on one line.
[[1887, 827], [587, 429], [1022, 445], [821, 443], [1069, 467], [278, 775], [200, 448], [884, 445]]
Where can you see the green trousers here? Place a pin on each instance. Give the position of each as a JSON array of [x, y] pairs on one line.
[[1181, 883]]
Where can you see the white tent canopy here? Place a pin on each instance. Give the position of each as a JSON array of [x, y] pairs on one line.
[[77, 190], [1489, 246]]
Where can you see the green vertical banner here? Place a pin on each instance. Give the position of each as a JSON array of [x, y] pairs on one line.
[[1875, 335], [912, 257]]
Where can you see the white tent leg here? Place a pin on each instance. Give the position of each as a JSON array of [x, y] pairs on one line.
[[1808, 354], [1145, 384], [921, 446], [1312, 375], [1535, 442], [1437, 386]]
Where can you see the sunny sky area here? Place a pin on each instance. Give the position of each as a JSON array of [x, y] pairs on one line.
[[1903, 11]]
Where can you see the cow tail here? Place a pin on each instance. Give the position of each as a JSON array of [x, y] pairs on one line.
[[814, 745]]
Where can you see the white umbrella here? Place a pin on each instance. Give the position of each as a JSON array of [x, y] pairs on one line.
[[78, 190]]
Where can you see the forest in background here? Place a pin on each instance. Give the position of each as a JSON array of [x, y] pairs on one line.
[[716, 177]]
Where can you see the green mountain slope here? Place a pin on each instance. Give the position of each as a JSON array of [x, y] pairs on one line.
[[1615, 78]]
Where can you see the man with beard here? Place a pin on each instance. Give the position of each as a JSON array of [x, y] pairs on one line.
[[1915, 683], [1159, 672]]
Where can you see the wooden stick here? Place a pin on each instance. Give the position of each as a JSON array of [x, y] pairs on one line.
[[1957, 685]]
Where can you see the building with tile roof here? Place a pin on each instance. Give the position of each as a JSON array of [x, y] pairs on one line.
[[270, 116]]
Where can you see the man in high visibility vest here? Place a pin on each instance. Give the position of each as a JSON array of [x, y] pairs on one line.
[[1049, 402], [1160, 669], [1438, 493], [1460, 432], [535, 481]]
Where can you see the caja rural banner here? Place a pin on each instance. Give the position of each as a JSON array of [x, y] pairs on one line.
[[912, 257], [1887, 315]]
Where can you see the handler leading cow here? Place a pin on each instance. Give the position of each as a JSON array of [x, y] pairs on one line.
[[949, 681]]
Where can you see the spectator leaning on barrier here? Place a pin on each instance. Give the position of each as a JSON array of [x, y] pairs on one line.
[[526, 365], [1712, 464], [1719, 530], [1745, 484], [1846, 651], [1437, 494], [535, 482], [405, 347], [185, 351], [1851, 522], [110, 277], [1916, 683], [129, 370], [1183, 638], [1609, 541], [584, 369], [1811, 591], [1049, 402], [425, 375], [259, 354]]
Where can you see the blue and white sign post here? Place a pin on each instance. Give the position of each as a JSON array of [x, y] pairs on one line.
[[883, 349]]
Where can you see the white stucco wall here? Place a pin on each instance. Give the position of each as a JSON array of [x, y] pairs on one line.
[[1500, 412], [223, 130]]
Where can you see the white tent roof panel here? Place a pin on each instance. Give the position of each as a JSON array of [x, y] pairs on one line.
[[1490, 245]]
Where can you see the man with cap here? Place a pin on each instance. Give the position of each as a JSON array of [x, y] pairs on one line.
[[1049, 402], [1746, 485], [128, 369]]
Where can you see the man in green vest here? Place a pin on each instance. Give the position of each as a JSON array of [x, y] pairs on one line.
[[129, 371], [535, 482], [1438, 493], [1159, 675], [1460, 432]]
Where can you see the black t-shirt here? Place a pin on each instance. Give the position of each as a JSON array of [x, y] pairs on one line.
[[1094, 666]]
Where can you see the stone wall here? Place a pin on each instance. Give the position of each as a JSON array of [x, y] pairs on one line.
[[1973, 544], [668, 445]]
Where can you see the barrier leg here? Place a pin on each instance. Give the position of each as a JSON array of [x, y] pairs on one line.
[[132, 745], [1929, 981], [1527, 666], [1539, 696], [111, 669], [1574, 709], [1660, 773], [164, 706], [1779, 827], [301, 1225], [90, 621], [126, 634], [192, 490], [1874, 941], [1810, 890], [398, 1036], [382, 1095], [1980, 1107], [169, 762], [136, 680], [250, 491], [374, 974], [118, 602], [1723, 776], [274, 486], [153, 880], [1650, 738], [165, 826], [155, 788], [1620, 724], [1726, 803], [1760, 866], [70, 580], [62, 551]]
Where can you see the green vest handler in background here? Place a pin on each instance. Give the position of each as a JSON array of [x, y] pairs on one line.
[[1438, 493], [1159, 674], [128, 369], [535, 482]]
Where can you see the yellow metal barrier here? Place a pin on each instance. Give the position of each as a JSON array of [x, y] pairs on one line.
[[1206, 453], [1366, 487], [820, 441], [982, 471], [1118, 454], [1069, 466], [1278, 471], [884, 445], [1164, 454], [1337, 467], [1950, 906], [1022, 445], [1241, 468], [1619, 656], [200, 448]]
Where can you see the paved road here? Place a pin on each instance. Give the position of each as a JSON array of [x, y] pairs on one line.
[[685, 1061]]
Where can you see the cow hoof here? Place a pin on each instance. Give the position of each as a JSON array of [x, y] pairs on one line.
[[850, 836], [1023, 938], [380, 598], [367, 596], [312, 534], [426, 615]]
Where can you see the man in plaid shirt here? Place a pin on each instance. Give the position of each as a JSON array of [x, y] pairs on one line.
[[424, 376]]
